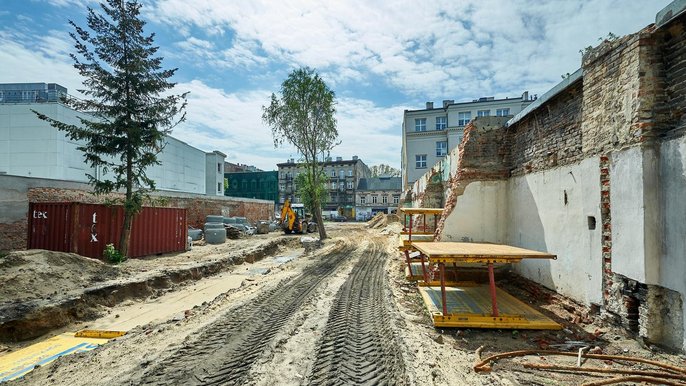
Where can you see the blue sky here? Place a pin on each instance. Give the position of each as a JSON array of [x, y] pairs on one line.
[[380, 57]]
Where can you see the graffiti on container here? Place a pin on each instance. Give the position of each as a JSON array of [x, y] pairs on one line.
[[94, 231], [40, 214]]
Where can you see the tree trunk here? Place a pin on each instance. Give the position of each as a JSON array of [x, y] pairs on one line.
[[125, 234], [320, 223]]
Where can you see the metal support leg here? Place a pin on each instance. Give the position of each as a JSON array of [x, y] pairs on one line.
[[491, 283], [441, 267], [424, 270], [409, 262]]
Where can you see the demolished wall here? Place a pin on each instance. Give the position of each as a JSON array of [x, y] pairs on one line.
[[594, 174]]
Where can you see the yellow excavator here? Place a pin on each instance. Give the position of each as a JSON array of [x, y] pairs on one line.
[[293, 219]]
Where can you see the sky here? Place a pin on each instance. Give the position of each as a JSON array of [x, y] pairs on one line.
[[379, 57]]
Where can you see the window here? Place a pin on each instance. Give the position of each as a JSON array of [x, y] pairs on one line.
[[282, 187], [333, 185], [502, 112], [350, 184], [374, 199], [219, 187], [441, 123], [341, 174], [363, 199], [464, 118], [483, 113], [342, 185], [384, 199], [420, 124], [441, 148], [219, 168], [333, 173], [420, 161], [396, 199], [350, 172]]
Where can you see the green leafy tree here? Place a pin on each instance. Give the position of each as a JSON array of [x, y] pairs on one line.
[[309, 192], [304, 116], [127, 108], [384, 170]]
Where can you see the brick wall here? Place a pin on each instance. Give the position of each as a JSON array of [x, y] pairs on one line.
[[13, 232], [672, 44], [549, 136]]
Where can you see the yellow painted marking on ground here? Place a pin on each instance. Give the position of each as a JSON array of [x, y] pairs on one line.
[[16, 364]]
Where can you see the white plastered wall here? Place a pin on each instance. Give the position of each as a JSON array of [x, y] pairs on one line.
[[672, 273], [530, 212], [549, 211]]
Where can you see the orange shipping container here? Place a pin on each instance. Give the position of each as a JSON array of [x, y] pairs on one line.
[[86, 229]]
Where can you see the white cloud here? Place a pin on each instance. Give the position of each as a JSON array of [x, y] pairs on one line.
[[41, 64], [501, 46], [232, 123]]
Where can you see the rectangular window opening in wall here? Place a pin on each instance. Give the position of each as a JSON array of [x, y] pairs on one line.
[[219, 187], [350, 172], [374, 199], [441, 148], [396, 199], [420, 124], [483, 113], [502, 112], [219, 168], [363, 199], [420, 161], [350, 184], [463, 118], [441, 123], [384, 199]]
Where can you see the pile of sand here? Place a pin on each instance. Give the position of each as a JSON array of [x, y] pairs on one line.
[[381, 220], [40, 274]]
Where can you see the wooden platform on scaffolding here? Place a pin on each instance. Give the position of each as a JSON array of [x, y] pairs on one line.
[[470, 307]]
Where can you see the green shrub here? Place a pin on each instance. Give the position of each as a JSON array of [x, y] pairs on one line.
[[112, 254]]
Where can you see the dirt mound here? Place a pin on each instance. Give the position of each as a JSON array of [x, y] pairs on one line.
[[39, 274], [381, 220]]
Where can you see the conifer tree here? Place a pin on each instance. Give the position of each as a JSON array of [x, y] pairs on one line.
[[128, 109]]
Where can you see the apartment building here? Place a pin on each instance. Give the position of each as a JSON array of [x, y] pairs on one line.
[[430, 133], [377, 195], [342, 175]]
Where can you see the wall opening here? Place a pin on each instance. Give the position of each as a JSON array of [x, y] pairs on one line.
[[591, 223]]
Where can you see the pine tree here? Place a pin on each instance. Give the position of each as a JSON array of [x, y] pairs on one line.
[[127, 109]]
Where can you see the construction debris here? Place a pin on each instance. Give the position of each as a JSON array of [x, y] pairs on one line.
[[232, 232], [666, 371]]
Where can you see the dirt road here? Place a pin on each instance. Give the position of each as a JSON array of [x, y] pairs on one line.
[[340, 315]]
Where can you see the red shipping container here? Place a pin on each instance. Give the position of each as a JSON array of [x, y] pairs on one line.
[[86, 229]]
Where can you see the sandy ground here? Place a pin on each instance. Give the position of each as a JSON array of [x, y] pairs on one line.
[[432, 356]]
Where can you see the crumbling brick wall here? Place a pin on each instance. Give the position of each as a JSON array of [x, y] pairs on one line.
[[482, 156]]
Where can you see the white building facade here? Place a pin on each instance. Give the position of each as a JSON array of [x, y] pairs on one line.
[[30, 147], [431, 133]]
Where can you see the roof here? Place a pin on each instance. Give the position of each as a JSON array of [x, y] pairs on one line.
[[380, 183]]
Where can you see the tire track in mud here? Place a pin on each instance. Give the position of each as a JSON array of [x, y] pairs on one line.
[[358, 346], [226, 350]]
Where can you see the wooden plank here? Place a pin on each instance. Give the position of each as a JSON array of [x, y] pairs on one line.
[[421, 210], [455, 250]]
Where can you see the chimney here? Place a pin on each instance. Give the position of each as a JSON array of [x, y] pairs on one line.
[[429, 105], [354, 158], [339, 158], [525, 96], [447, 102]]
